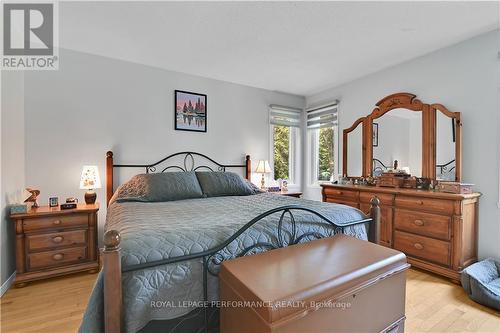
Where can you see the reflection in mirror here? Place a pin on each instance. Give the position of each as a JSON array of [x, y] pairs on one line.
[[355, 151], [445, 147], [398, 136]]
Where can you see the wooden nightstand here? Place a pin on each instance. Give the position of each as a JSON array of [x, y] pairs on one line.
[[294, 194], [52, 242]]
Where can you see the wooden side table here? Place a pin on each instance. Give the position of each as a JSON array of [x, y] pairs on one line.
[[52, 242], [294, 194]]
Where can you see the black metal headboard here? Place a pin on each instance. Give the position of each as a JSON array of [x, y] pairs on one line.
[[189, 162]]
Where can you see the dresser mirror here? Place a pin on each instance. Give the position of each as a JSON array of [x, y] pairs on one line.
[[447, 144], [397, 136], [353, 150], [425, 139]]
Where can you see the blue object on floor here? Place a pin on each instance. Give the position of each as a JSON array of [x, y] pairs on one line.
[[481, 281]]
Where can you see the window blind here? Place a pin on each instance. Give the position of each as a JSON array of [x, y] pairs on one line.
[[285, 116], [322, 116]]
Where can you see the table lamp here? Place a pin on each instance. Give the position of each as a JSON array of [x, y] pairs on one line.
[[90, 181], [263, 168]]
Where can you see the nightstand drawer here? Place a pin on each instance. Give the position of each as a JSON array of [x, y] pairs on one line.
[[55, 222], [56, 239], [57, 257]]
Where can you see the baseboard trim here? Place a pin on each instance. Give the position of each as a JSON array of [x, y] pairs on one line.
[[7, 284]]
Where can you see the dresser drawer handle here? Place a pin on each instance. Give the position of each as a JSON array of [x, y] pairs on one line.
[[418, 223], [56, 222], [418, 246], [58, 256], [57, 239], [420, 202]]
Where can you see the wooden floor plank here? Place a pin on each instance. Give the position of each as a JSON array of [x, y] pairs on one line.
[[433, 304]]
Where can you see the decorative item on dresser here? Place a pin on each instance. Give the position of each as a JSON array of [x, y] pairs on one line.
[[436, 230], [52, 242]]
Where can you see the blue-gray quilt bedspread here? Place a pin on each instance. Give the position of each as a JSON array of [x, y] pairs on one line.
[[161, 230]]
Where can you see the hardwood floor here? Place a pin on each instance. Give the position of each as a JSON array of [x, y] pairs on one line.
[[433, 304]]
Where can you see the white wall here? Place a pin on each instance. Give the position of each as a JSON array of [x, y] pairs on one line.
[[93, 104], [12, 162], [463, 77]]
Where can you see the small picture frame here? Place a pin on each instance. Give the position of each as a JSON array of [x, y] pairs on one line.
[[53, 201], [375, 135]]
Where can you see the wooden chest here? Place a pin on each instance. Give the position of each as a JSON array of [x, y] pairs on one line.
[[327, 285], [52, 242], [437, 231]]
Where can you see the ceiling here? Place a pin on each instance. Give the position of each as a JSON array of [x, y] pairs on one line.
[[295, 47]]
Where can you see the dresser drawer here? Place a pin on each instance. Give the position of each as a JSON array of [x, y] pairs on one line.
[[55, 222], [343, 202], [425, 204], [426, 224], [338, 193], [56, 239], [385, 199], [57, 257], [423, 247]]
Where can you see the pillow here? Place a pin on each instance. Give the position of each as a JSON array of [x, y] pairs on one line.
[[255, 188], [165, 186], [217, 184]]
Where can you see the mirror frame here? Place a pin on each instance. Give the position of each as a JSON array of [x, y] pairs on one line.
[[429, 120]]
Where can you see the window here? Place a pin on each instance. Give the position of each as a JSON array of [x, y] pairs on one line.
[[285, 135], [322, 132]]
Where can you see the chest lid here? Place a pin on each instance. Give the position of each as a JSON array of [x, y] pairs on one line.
[[292, 280]]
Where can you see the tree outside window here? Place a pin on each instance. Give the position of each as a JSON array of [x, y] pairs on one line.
[[281, 153], [326, 152]]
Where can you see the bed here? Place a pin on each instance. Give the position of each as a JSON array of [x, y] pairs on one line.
[[161, 258]]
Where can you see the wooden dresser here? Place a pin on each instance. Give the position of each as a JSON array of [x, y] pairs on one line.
[[52, 242], [437, 231]]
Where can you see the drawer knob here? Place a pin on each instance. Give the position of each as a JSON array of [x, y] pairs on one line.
[[418, 223], [56, 222], [418, 246], [57, 239], [420, 202], [58, 256]]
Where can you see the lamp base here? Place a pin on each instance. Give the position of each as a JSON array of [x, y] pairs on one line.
[[90, 197], [263, 183]]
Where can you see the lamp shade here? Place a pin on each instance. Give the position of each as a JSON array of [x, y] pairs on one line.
[[263, 167], [90, 178]]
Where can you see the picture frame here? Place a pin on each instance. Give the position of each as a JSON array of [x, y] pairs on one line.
[[53, 201], [375, 135], [190, 111]]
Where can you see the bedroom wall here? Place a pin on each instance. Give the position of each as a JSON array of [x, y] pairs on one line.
[[12, 165], [464, 77], [93, 104]]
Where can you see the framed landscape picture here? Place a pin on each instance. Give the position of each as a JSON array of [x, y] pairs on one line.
[[190, 111]]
